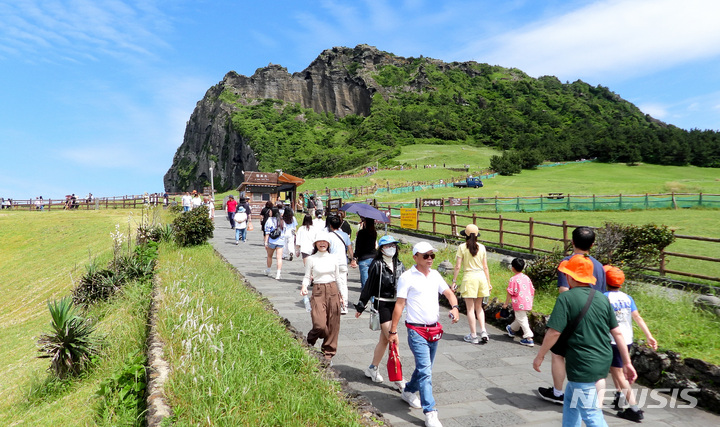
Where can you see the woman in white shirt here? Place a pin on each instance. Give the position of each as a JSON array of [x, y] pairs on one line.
[[323, 270], [304, 238]]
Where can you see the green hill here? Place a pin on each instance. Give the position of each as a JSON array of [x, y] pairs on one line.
[[356, 107]]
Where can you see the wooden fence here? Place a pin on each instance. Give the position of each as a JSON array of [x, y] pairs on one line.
[[538, 237], [97, 203]]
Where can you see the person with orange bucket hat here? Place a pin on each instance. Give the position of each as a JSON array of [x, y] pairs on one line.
[[581, 324]]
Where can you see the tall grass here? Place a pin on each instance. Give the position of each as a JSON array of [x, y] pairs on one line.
[[233, 361]]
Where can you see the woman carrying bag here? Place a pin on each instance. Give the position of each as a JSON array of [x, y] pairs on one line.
[[381, 284], [475, 286], [274, 241]]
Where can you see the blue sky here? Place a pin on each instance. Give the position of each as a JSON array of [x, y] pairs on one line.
[[96, 93]]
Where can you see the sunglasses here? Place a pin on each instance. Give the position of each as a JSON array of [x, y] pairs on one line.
[[426, 256]]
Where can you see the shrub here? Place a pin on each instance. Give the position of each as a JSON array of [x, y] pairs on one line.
[[161, 233], [633, 248], [193, 227], [98, 284], [71, 343], [122, 396], [543, 270]]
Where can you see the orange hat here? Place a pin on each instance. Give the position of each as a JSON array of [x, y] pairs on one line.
[[580, 268], [614, 276]]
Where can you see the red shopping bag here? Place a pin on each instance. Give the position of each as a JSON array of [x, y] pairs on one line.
[[394, 366]]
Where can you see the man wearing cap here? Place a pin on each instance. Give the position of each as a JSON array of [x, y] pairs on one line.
[[418, 290], [582, 240], [242, 201], [589, 353]]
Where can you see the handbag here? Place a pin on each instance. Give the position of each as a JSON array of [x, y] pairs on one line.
[[250, 226], [394, 366], [374, 314], [560, 347]]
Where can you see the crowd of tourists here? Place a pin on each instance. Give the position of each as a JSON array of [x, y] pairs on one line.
[[589, 331]]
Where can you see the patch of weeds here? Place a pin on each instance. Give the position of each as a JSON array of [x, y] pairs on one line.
[[121, 398]]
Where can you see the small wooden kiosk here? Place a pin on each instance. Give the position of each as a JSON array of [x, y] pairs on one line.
[[261, 187]]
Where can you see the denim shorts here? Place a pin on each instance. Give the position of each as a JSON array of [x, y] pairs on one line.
[[273, 246]]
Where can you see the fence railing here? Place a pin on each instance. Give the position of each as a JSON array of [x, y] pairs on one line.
[[95, 203], [538, 237], [561, 201]]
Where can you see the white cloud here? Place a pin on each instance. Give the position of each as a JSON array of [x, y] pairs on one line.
[[659, 111], [81, 28], [624, 38]]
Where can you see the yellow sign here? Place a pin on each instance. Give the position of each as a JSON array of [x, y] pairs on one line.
[[408, 218]]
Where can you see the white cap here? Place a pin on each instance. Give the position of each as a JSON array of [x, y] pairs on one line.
[[423, 248]]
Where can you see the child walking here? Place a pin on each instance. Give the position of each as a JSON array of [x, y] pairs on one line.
[[625, 312], [520, 292]]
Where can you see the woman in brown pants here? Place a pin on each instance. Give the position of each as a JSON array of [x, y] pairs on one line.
[[322, 269]]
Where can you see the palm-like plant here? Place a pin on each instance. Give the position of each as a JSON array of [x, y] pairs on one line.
[[71, 343]]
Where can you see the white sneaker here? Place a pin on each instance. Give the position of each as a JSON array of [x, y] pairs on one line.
[[399, 385], [373, 374], [431, 419], [484, 337], [277, 276], [411, 399], [343, 309], [266, 271]]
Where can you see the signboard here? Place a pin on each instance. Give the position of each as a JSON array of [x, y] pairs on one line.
[[333, 205], [261, 178], [408, 218], [206, 191], [455, 201], [430, 203]]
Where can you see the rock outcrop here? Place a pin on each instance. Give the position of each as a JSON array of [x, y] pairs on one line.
[[338, 81]]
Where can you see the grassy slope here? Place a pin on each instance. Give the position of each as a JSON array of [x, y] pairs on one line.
[[234, 362], [44, 251]]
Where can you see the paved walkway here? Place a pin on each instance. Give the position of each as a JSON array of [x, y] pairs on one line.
[[489, 385]]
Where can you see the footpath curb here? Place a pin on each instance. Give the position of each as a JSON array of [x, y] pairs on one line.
[[158, 368]]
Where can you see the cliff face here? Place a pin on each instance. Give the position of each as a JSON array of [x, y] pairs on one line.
[[338, 81]]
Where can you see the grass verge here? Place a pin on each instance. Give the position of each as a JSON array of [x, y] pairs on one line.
[[233, 361]]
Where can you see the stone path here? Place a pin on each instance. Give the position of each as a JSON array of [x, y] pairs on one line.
[[489, 385]]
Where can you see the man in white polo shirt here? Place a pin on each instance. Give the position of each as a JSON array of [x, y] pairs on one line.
[[418, 290]]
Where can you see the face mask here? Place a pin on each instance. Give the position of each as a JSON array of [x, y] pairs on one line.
[[389, 252]]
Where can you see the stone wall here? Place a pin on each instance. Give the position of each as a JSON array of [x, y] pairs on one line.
[[664, 370]]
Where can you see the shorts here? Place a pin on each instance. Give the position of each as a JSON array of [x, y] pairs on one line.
[[274, 246], [617, 360], [474, 285], [385, 309]]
